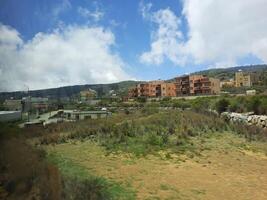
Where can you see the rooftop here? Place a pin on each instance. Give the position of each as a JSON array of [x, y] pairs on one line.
[[8, 112]]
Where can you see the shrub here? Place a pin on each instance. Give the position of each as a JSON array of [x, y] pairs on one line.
[[254, 105], [222, 105]]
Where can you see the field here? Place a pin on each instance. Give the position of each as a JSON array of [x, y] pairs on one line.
[[216, 165], [148, 153]]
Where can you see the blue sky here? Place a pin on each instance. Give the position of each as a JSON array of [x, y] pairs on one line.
[[133, 39]]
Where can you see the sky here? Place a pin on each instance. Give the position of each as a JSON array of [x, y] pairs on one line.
[[53, 43]]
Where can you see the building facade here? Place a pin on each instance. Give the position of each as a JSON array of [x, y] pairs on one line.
[[153, 89], [13, 104], [196, 85], [168, 90], [81, 115], [182, 85], [242, 79], [227, 83]]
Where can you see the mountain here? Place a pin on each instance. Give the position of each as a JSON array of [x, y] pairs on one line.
[[228, 73], [70, 91], [121, 88]]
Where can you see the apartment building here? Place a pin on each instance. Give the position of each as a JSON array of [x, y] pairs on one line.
[[247, 79], [168, 90], [149, 89], [196, 85], [153, 89], [182, 85], [242, 79]]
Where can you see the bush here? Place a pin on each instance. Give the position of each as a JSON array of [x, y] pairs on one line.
[[221, 105]]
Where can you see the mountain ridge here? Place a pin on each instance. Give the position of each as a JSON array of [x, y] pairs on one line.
[[122, 87]]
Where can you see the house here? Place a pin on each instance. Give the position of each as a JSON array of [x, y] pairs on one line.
[[227, 83], [13, 104], [6, 116], [81, 115]]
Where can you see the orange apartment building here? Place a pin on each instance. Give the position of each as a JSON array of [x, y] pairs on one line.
[[196, 85], [182, 86], [153, 89]]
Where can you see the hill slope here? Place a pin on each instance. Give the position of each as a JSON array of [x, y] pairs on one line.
[[227, 73], [122, 87], [69, 91]]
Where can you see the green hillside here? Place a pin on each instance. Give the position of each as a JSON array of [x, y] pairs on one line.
[[70, 91], [228, 73]]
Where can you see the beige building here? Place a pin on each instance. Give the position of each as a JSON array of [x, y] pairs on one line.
[[227, 83], [242, 79], [86, 95], [13, 104]]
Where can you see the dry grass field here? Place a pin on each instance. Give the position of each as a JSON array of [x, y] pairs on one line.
[[229, 168]]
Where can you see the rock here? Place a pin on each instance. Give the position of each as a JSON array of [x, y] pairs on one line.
[[263, 118]]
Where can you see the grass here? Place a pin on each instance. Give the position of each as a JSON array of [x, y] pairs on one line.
[[154, 154], [80, 184], [227, 157]]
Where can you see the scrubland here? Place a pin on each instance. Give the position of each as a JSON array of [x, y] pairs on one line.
[[150, 154]]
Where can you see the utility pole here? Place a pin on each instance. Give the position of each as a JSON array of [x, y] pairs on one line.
[[29, 98]]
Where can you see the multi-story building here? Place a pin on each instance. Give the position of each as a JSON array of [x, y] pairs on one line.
[[182, 85], [196, 85], [247, 79], [153, 89], [242, 79], [168, 90], [149, 89]]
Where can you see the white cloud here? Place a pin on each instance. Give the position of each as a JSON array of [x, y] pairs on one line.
[[166, 40], [96, 15], [73, 55], [220, 31], [226, 30]]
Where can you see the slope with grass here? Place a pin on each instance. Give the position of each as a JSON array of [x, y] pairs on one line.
[[229, 168], [160, 155]]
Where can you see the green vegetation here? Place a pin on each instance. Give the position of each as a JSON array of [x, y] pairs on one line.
[[79, 184], [163, 134]]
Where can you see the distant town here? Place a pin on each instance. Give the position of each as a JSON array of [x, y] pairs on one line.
[[190, 85], [89, 104]]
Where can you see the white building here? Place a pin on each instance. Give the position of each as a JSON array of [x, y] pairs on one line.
[[6, 116], [80, 115]]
